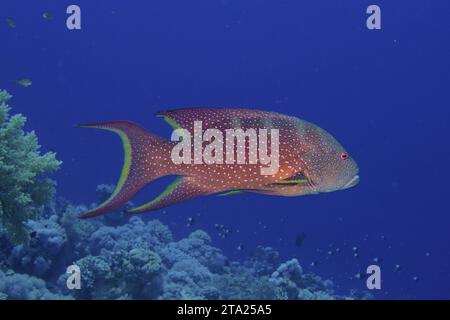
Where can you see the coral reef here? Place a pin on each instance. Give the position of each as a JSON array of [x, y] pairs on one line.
[[264, 260], [195, 247], [141, 260], [24, 187], [42, 251], [16, 286], [292, 283]]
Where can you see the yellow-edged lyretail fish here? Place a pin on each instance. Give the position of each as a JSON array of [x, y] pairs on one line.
[[310, 160]]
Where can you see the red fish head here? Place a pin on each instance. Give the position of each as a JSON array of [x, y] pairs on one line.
[[329, 167]]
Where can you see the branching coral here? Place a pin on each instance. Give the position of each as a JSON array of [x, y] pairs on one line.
[[43, 250], [241, 282], [78, 231], [195, 247], [186, 280], [121, 262], [22, 172], [264, 260], [97, 279], [292, 283], [16, 286], [135, 234], [138, 271], [140, 260], [122, 274]]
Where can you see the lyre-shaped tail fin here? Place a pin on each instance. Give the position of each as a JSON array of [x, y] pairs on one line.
[[144, 153]]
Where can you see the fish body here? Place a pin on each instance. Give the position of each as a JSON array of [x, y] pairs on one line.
[[309, 160]]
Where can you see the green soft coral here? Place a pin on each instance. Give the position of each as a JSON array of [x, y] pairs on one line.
[[24, 187]]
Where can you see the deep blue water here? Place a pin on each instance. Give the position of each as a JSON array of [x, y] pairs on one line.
[[384, 94]]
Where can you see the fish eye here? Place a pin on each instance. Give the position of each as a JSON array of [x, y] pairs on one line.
[[344, 156]]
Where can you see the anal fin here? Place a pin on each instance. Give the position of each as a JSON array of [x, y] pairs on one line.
[[183, 188], [230, 193]]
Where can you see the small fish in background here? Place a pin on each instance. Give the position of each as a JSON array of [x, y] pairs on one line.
[[25, 82], [190, 222], [314, 264], [300, 239], [224, 233], [11, 22], [376, 260], [398, 268], [221, 231], [46, 15], [240, 247], [359, 276]]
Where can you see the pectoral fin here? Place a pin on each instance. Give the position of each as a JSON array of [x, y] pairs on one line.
[[295, 185], [296, 181], [298, 178]]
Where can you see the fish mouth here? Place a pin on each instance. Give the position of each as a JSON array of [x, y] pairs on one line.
[[353, 182]]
